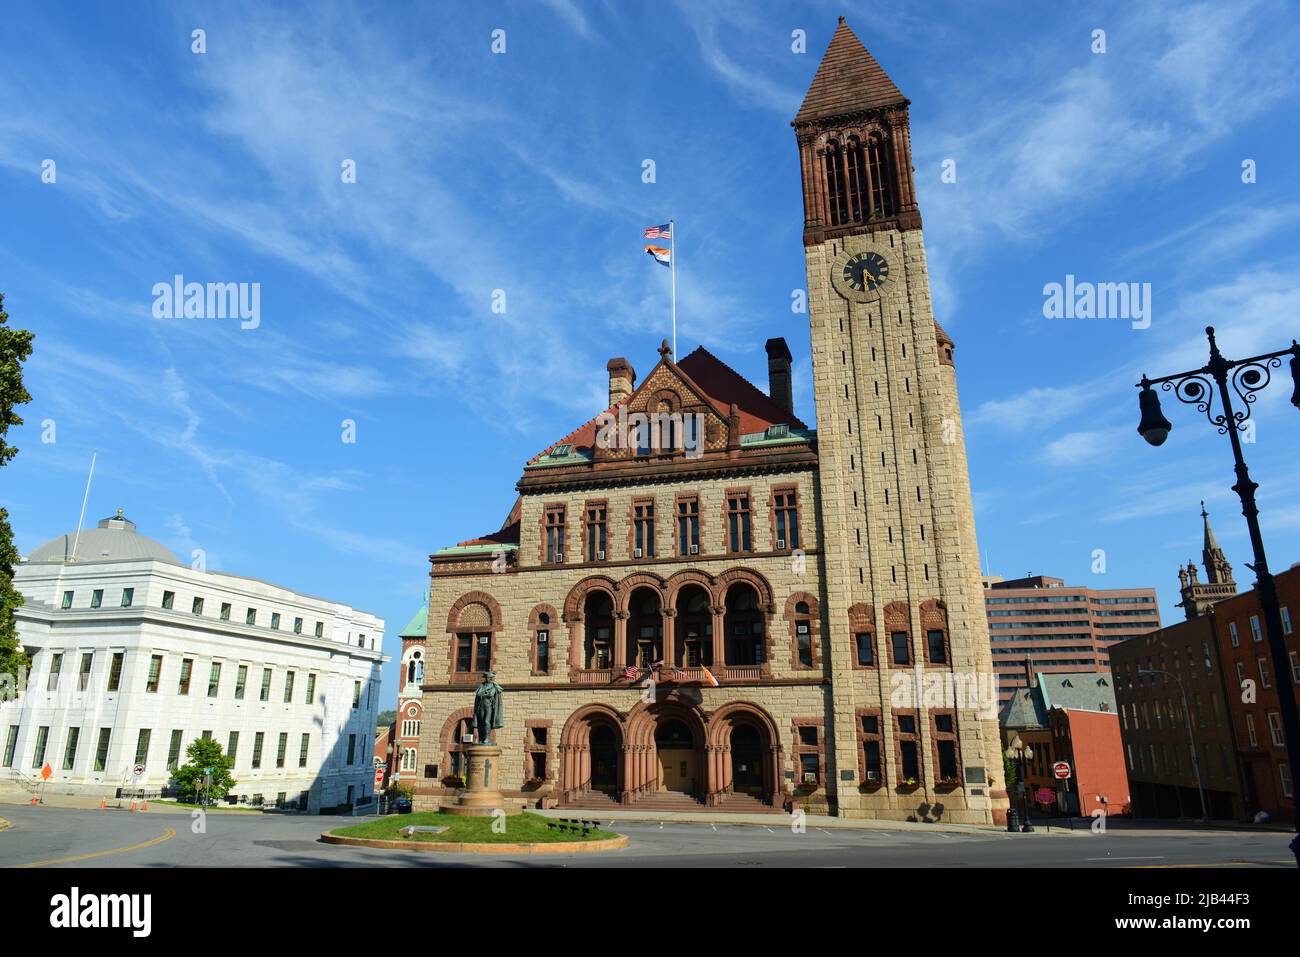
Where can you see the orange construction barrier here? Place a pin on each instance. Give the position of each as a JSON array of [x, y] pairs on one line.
[[102, 805], [144, 806], [33, 800], [132, 805]]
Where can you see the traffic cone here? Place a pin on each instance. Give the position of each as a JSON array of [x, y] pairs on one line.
[[133, 805], [144, 806], [33, 800], [102, 805]]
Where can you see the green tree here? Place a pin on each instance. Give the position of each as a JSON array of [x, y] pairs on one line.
[[384, 719], [204, 753], [15, 347], [1010, 771]]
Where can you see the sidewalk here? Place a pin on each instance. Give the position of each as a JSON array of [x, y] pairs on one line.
[[768, 820], [88, 803]]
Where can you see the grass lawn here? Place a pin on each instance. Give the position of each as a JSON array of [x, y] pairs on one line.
[[519, 829]]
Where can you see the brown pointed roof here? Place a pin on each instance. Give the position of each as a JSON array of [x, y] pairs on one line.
[[848, 80]]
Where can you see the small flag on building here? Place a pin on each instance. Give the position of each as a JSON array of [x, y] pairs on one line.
[[630, 672], [659, 232], [662, 256], [708, 675]]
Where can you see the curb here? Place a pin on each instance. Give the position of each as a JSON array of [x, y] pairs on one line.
[[559, 847], [760, 820]]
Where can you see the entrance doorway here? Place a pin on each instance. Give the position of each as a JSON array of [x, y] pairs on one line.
[[677, 759], [604, 759], [746, 755]]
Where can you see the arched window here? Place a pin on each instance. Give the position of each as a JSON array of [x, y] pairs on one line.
[[803, 635], [668, 431], [694, 627], [542, 646], [745, 627], [880, 170], [415, 669], [645, 629], [598, 622], [836, 193], [859, 185]]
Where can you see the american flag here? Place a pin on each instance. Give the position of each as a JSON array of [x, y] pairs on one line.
[[631, 671], [658, 232]]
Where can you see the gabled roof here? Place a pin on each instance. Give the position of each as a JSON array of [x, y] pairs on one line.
[[848, 80], [1086, 691], [716, 382], [1083, 691]]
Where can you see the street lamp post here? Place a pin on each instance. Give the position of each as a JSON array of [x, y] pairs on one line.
[[1191, 738], [1021, 753], [1246, 377]]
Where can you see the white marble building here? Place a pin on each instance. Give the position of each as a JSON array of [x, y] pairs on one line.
[[135, 654]]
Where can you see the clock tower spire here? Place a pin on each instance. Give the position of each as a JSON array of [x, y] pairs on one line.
[[854, 148], [900, 559]]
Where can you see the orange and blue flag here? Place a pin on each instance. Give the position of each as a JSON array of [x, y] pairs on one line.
[[662, 256]]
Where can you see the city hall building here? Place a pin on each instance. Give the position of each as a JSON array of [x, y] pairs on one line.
[[697, 600], [134, 655]]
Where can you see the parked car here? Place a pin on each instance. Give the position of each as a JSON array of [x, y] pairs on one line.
[[402, 805]]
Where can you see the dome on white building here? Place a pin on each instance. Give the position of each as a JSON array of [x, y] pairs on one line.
[[115, 539]]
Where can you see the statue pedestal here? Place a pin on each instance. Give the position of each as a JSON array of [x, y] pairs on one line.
[[481, 796]]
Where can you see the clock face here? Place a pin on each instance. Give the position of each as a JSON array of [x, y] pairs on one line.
[[866, 271]]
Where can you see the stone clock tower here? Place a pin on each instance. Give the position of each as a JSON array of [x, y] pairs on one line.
[[901, 563]]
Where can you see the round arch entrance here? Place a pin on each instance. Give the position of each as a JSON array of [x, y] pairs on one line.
[[744, 754], [591, 754]]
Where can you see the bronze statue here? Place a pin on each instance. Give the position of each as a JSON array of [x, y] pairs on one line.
[[489, 711]]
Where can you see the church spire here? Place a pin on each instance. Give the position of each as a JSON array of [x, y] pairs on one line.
[[1218, 585], [1217, 569]]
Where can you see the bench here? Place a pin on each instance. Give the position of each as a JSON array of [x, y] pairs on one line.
[[567, 825]]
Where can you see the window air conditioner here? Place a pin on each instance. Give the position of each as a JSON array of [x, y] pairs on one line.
[[559, 556], [636, 553], [695, 549], [600, 556], [809, 778], [780, 543], [873, 775]]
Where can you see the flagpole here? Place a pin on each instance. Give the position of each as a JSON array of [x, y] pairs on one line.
[[672, 262]]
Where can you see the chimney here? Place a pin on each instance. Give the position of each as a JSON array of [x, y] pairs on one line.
[[622, 379], [1031, 679], [778, 374]]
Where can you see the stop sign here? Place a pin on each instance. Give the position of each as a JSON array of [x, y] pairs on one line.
[[1061, 769]]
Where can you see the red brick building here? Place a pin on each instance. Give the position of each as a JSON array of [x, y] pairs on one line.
[[383, 756], [1064, 629], [1256, 719], [1090, 742], [1165, 772]]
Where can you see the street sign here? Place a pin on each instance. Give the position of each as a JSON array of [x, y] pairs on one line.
[[46, 772], [1061, 769], [138, 771]]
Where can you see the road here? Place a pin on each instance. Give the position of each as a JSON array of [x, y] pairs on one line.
[[66, 837]]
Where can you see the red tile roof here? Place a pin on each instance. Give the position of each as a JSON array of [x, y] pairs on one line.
[[848, 80], [724, 385]]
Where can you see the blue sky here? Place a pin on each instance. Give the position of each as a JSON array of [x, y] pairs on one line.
[[522, 172]]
